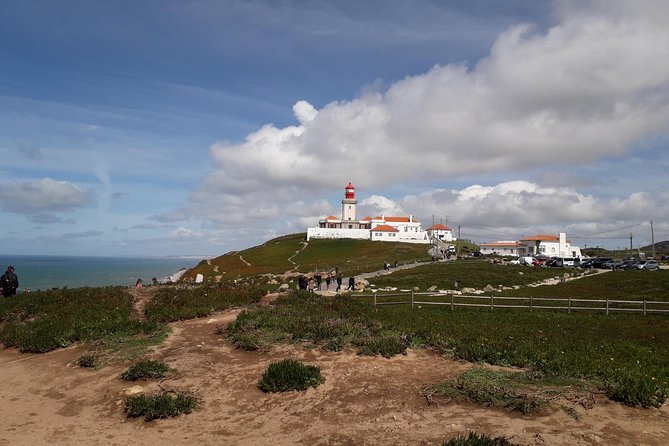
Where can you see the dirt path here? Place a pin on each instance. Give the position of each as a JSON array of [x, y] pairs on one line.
[[364, 401]]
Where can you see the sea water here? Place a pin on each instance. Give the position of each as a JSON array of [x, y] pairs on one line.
[[48, 272]]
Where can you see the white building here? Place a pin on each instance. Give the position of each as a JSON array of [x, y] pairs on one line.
[[540, 244], [381, 228], [441, 232]]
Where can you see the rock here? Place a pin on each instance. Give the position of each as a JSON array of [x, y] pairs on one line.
[[432, 288], [134, 390], [488, 288], [468, 290], [416, 288], [521, 273], [284, 287], [272, 282]]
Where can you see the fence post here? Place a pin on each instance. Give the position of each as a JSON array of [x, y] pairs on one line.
[[492, 304], [412, 299], [644, 307], [530, 304], [607, 307], [452, 300], [375, 300], [569, 305]]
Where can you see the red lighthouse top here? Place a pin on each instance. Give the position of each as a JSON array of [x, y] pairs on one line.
[[350, 191]]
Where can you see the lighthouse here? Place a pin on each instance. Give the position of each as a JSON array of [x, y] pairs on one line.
[[348, 204]]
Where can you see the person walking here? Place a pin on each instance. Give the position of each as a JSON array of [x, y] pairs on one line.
[[351, 283], [327, 282], [9, 282], [339, 279], [319, 279]]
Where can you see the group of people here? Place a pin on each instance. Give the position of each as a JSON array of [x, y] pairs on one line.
[[9, 282], [315, 282]]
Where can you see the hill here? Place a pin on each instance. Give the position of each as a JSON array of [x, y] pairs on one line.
[[291, 253]]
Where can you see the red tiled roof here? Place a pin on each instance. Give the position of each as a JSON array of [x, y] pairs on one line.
[[396, 219], [331, 217], [541, 237], [385, 228], [366, 219], [438, 227]]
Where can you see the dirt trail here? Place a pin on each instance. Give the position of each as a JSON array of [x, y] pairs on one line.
[[364, 400]]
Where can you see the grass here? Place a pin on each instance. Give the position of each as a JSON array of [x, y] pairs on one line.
[[628, 351], [517, 391], [145, 370], [618, 285], [468, 273], [87, 361], [475, 439], [350, 256], [172, 303], [160, 405], [46, 320], [289, 375]]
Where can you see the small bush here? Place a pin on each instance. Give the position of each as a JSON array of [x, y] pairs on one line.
[[289, 375], [89, 361], [474, 439], [145, 370], [637, 391], [160, 405], [387, 346]]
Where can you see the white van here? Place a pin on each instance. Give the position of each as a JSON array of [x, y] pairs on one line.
[[528, 260]]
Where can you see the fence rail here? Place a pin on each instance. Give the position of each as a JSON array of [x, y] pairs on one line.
[[492, 302]]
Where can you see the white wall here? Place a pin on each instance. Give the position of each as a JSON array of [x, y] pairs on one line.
[[361, 234]]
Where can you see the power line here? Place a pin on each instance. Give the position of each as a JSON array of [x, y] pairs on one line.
[[606, 232]]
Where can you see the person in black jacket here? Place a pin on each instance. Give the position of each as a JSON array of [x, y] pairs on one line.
[[9, 282]]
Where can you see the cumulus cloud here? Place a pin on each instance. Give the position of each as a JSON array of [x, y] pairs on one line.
[[40, 196], [587, 88]]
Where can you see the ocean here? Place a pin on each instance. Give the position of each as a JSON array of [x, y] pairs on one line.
[[47, 272]]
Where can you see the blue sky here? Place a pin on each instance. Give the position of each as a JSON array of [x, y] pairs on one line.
[[199, 127]]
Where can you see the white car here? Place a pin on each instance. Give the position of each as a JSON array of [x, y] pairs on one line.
[[649, 265]]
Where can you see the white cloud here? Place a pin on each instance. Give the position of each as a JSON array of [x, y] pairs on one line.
[[586, 89], [42, 195]]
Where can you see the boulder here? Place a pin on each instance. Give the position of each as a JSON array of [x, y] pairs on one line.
[[488, 288], [284, 287], [432, 288]]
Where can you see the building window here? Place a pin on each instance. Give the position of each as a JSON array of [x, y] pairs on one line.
[[350, 226]]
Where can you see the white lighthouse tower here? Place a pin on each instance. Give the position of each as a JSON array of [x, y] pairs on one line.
[[348, 204]]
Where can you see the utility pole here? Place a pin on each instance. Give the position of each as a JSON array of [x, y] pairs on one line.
[[652, 237], [631, 243], [458, 232]]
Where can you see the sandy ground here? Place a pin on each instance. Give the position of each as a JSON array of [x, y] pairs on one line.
[[47, 399]]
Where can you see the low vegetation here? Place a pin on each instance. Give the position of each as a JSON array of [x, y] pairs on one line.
[[163, 404], [517, 391], [145, 370], [172, 303], [350, 256], [45, 320], [621, 351], [289, 374], [87, 361], [475, 439]]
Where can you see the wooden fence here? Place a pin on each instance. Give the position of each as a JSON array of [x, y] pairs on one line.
[[492, 302]]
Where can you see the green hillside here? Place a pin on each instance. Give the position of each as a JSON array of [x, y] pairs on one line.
[[293, 253]]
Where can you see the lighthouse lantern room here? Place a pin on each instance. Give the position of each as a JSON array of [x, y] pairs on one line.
[[348, 204]]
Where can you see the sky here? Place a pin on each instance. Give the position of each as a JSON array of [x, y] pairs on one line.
[[163, 127]]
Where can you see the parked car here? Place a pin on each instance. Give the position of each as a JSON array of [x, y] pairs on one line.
[[526, 260], [596, 262], [649, 265], [476, 254], [540, 260], [613, 264]]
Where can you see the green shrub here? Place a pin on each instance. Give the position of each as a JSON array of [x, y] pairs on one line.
[[386, 346], [145, 370], [160, 405], [89, 361], [638, 391], [288, 375], [474, 439]]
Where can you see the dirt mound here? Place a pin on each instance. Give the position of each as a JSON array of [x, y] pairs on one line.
[[364, 400]]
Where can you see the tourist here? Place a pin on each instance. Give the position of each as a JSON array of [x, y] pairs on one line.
[[154, 281], [319, 279], [9, 282], [339, 279], [310, 285], [139, 283], [327, 282], [351, 283]]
